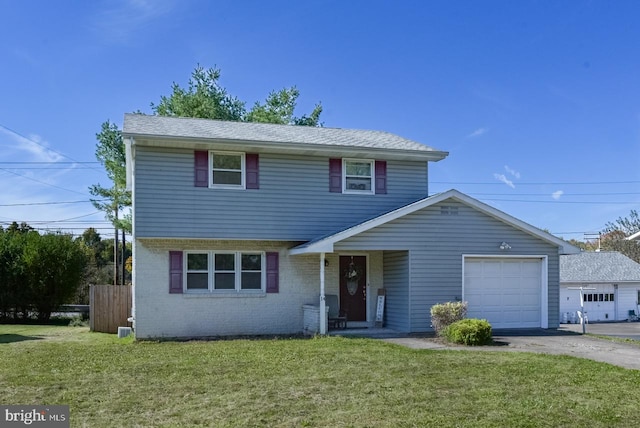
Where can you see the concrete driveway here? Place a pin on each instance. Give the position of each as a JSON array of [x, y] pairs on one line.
[[567, 340]]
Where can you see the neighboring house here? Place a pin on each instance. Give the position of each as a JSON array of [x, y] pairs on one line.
[[613, 282], [243, 228]]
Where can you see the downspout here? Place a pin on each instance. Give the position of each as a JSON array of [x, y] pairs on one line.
[[323, 303]]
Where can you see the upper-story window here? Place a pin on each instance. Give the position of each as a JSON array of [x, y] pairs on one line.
[[358, 176], [227, 169]]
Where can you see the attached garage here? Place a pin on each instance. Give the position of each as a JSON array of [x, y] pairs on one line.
[[509, 292]]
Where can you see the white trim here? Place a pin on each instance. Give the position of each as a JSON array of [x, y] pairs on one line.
[[326, 244], [544, 278], [243, 170], [372, 177], [634, 236]]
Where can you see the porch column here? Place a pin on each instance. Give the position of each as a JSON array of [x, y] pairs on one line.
[[323, 304]]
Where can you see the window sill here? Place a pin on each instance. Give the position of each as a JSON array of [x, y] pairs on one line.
[[224, 295]]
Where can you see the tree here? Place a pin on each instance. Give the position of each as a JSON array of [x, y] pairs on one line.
[[54, 269], [627, 225], [615, 233], [110, 152], [279, 107], [205, 98], [38, 273]]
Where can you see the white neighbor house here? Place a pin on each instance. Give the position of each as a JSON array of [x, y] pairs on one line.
[[614, 277]]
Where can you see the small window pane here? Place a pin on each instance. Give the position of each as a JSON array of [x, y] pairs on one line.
[[358, 183], [225, 262], [358, 168], [197, 281], [227, 177], [611, 297], [227, 161], [225, 281], [251, 262], [197, 261], [251, 280]]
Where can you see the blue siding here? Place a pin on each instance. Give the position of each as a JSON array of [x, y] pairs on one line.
[[293, 202], [396, 278], [436, 243]]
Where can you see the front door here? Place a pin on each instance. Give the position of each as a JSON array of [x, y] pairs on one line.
[[353, 287]]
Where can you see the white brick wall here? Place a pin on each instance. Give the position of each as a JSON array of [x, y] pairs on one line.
[[160, 314]]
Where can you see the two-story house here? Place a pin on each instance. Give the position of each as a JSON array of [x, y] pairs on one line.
[[238, 226]]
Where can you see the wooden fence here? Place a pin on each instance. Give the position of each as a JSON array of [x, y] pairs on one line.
[[110, 307]]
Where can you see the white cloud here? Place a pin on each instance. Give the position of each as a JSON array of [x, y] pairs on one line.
[[504, 179], [556, 195], [513, 172], [34, 145], [478, 132]]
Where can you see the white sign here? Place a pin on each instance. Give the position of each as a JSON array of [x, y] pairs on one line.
[[380, 310]]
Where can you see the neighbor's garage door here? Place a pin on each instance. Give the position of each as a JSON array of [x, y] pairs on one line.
[[506, 292]]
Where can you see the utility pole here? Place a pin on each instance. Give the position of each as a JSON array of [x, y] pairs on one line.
[[115, 248], [124, 248]]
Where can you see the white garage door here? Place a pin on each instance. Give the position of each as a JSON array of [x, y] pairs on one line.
[[506, 292]]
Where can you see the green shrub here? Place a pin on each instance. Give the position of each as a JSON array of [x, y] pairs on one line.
[[445, 314], [471, 332]]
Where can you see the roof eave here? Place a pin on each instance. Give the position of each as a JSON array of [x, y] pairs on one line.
[[280, 147]]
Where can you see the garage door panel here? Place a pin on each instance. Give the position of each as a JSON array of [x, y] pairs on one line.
[[506, 292]]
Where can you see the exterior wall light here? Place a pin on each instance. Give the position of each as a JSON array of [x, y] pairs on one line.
[[504, 246]]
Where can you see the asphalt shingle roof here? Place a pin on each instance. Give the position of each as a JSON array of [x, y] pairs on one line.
[[604, 266], [190, 128]]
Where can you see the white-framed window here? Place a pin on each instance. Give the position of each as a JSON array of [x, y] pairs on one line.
[[227, 170], [358, 176], [224, 271]]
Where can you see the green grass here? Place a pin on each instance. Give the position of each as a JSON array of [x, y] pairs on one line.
[[337, 382]]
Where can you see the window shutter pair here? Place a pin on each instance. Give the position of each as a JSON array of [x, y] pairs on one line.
[[201, 169], [175, 272], [335, 176]]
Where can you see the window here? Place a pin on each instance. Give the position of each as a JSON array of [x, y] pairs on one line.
[[227, 169], [224, 271], [197, 271], [599, 297], [358, 176]]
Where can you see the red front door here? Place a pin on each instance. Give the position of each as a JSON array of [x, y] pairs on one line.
[[353, 287]]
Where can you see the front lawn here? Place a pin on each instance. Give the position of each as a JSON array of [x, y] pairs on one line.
[[332, 381]]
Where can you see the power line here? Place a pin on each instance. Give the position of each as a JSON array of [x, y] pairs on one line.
[[559, 183], [7, 129], [48, 162], [49, 203], [565, 202], [563, 194], [42, 182]]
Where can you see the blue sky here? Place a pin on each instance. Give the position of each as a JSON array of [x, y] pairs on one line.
[[538, 102]]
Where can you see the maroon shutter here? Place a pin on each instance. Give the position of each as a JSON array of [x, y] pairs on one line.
[[335, 175], [381, 177], [252, 165], [201, 168], [175, 272], [272, 272]]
